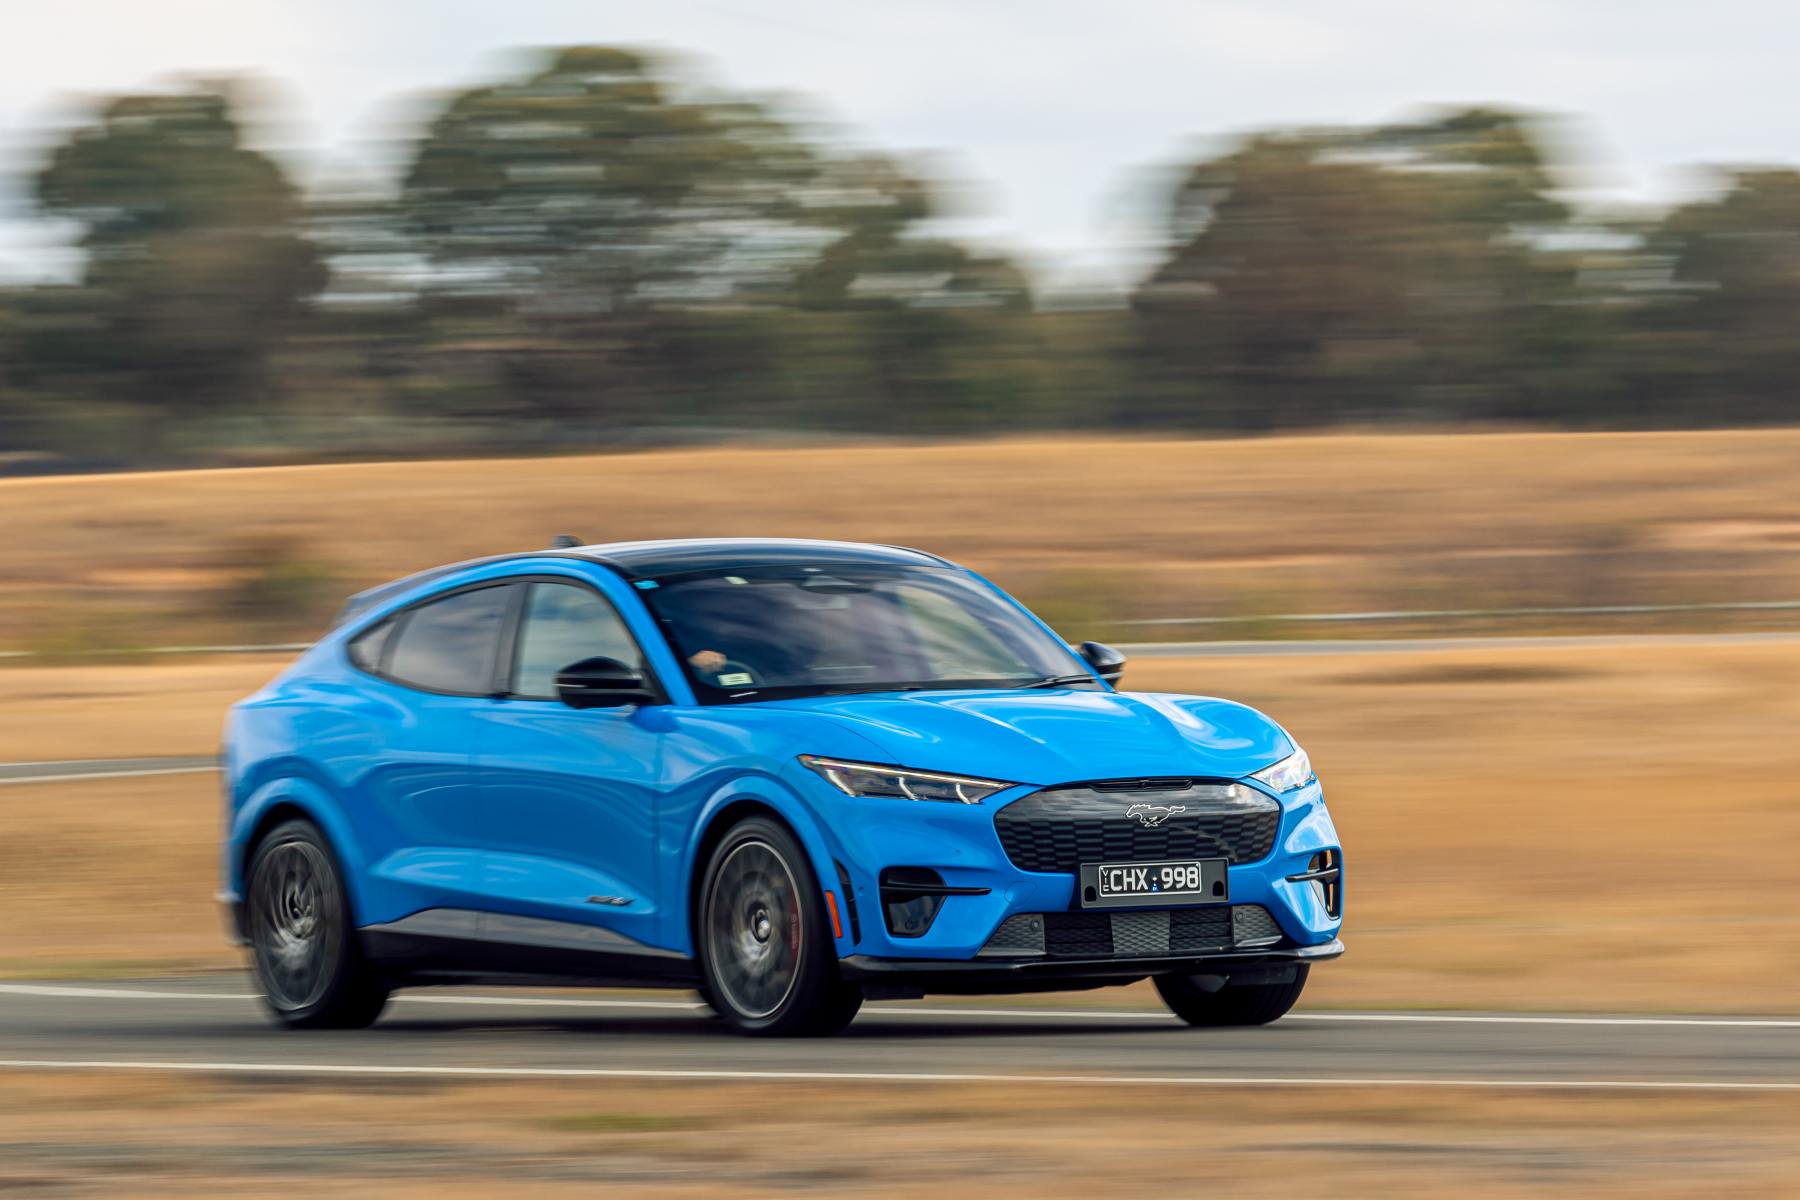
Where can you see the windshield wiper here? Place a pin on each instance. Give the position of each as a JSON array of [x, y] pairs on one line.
[[1050, 681]]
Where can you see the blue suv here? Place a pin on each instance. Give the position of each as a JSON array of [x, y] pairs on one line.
[[790, 774]]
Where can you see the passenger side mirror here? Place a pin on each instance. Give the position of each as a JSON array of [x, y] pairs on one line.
[[602, 683], [1106, 661]]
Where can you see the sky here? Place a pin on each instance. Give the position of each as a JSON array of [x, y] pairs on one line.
[[1057, 118]]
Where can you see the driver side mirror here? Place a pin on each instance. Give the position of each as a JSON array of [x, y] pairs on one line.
[[1108, 663], [602, 683]]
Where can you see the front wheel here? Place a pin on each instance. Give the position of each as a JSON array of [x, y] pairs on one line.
[[766, 951], [1196, 1000], [297, 913]]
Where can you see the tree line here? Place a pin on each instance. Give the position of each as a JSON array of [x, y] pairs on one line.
[[599, 252]]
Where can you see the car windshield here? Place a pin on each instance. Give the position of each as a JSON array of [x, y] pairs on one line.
[[763, 633]]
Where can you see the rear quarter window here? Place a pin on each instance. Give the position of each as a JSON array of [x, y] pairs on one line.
[[451, 645], [367, 646]]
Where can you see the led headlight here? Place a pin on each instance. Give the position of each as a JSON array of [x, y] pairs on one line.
[[1291, 772], [872, 779]]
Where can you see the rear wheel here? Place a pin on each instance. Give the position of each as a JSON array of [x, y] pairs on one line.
[[1236, 1002], [297, 913], [766, 950]]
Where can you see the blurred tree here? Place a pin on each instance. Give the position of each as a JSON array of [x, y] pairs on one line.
[[631, 240], [1351, 274], [195, 269], [1722, 348], [585, 187]]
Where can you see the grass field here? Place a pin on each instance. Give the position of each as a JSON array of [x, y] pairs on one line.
[[1090, 529], [118, 1134], [1583, 829]]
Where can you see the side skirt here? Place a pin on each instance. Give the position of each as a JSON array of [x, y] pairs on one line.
[[453, 945]]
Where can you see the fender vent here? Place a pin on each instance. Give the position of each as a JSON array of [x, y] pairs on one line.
[[849, 901]]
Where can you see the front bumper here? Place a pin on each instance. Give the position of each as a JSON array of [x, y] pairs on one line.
[[986, 974], [961, 844]]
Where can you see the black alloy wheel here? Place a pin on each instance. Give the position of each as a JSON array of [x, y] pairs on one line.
[[297, 915], [765, 944]]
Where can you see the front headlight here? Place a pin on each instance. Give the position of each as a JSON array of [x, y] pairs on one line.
[[872, 779], [1291, 772]]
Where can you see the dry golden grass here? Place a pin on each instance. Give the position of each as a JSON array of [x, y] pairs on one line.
[[139, 1135], [111, 877], [1134, 527], [113, 711], [1593, 828], [1572, 829]]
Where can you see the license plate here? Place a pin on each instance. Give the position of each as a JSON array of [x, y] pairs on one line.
[[1180, 881]]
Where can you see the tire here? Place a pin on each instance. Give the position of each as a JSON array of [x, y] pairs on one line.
[[766, 951], [1233, 1004], [308, 962]]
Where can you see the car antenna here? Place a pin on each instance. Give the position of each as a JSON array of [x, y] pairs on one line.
[[565, 541]]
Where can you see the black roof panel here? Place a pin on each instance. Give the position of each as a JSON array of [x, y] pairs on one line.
[[648, 560], [645, 560]]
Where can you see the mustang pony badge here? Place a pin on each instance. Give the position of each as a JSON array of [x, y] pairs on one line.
[[1154, 814]]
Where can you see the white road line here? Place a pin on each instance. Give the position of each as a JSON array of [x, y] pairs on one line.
[[69, 991], [1519, 1019], [108, 993], [720, 1073], [71, 778]]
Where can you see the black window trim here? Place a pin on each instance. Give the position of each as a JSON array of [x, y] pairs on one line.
[[402, 616], [509, 639]]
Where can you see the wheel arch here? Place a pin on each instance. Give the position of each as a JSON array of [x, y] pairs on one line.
[[289, 798], [749, 798]]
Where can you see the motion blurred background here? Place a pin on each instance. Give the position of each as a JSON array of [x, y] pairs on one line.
[[258, 232], [1375, 321]]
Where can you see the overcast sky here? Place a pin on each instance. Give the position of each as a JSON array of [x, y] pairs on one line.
[[1056, 108]]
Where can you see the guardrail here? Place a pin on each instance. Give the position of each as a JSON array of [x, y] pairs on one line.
[[273, 648], [1590, 610]]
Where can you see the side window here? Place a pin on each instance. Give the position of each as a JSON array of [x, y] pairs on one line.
[[564, 624], [450, 645], [366, 647]]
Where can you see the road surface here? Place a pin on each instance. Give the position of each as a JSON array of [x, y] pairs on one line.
[[214, 1024]]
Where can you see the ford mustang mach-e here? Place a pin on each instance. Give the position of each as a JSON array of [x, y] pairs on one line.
[[788, 774]]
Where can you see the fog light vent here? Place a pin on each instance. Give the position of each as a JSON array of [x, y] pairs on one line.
[[912, 896], [1325, 872]]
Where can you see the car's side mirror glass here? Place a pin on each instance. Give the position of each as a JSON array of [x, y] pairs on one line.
[[602, 683], [1108, 663]]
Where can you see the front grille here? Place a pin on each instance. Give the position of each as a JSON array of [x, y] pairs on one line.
[[1136, 933], [1078, 935], [1192, 929], [1059, 829]]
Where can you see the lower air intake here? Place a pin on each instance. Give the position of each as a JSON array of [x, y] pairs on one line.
[[1141, 933]]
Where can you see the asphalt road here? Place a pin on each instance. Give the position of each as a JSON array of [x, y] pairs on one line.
[[214, 1024]]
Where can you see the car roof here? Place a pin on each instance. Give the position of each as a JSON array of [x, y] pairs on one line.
[[644, 560], [672, 556]]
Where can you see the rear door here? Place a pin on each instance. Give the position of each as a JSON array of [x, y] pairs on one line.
[[570, 796], [436, 668]]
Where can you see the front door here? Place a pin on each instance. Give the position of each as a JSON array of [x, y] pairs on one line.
[[570, 795]]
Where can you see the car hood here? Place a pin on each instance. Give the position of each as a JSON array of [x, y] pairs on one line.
[[1060, 736]]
